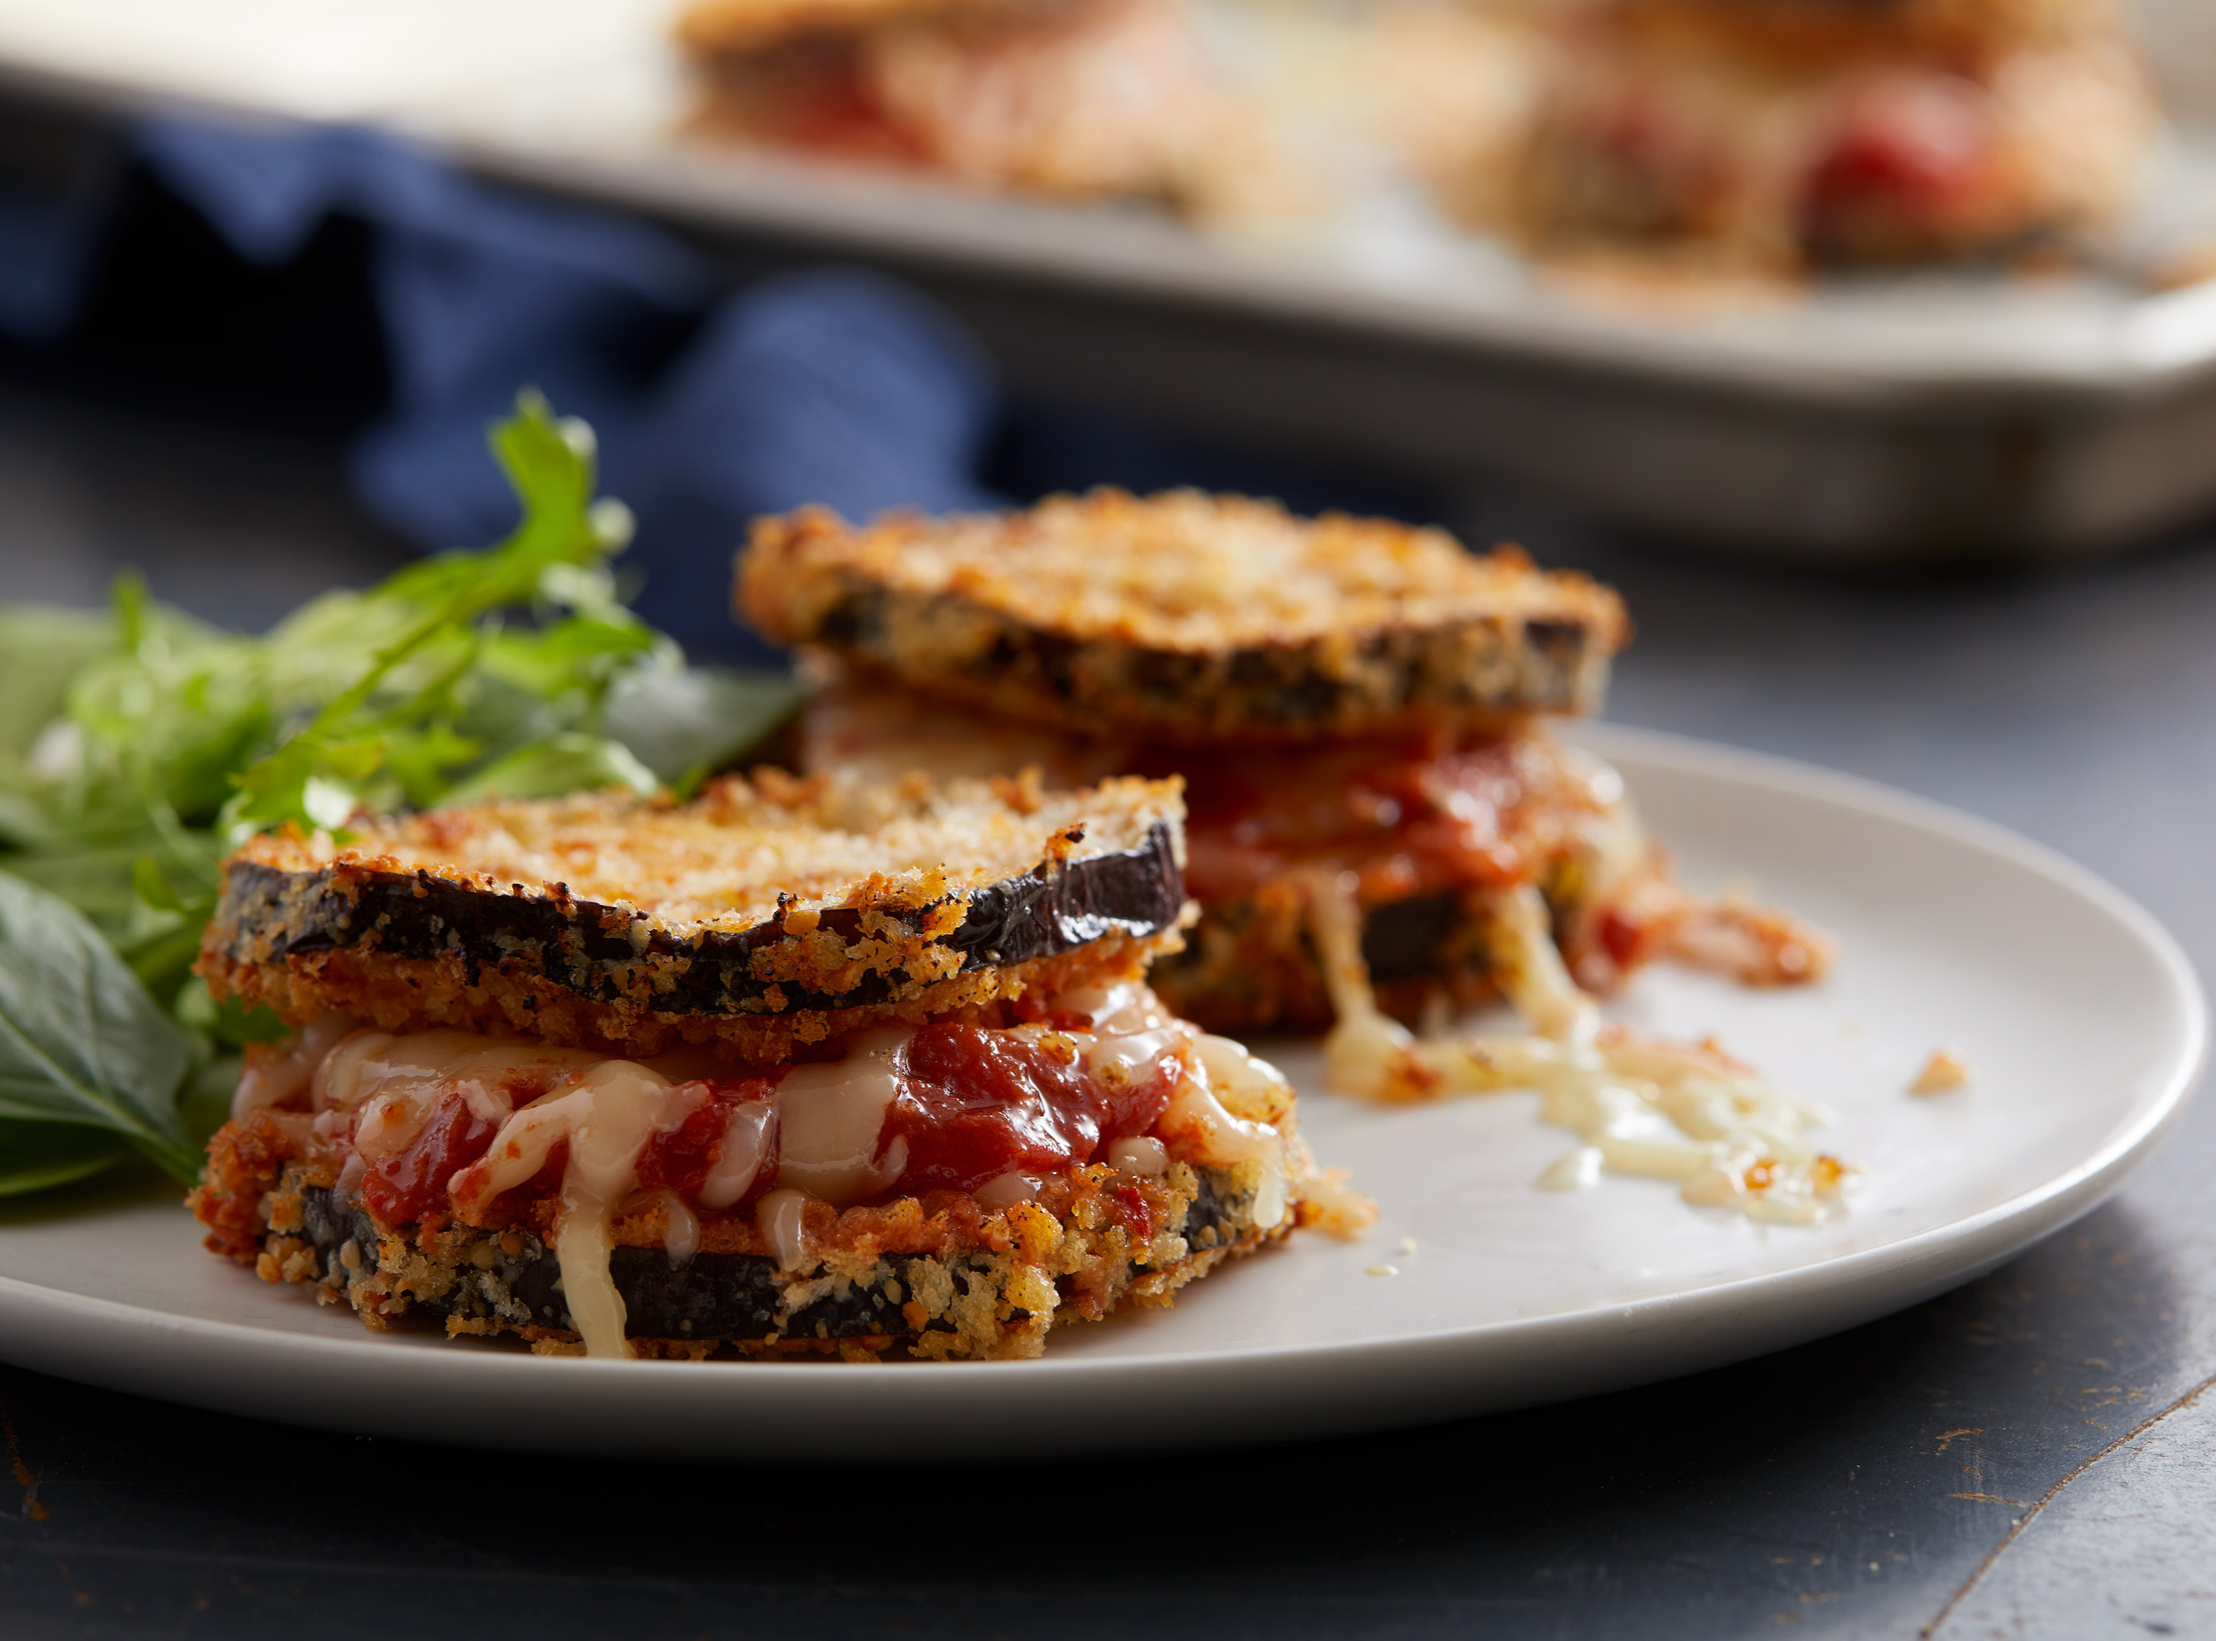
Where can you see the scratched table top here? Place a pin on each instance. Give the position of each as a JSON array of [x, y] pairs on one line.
[[2022, 1457]]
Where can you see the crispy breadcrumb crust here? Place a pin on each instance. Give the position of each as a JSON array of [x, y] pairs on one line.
[[1186, 616], [765, 913], [940, 1276]]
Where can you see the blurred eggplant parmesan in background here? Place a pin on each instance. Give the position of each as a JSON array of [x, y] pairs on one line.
[[801, 1066], [1799, 134], [1073, 98], [1770, 137]]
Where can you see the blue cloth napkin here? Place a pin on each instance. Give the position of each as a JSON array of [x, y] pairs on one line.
[[837, 386], [840, 387]]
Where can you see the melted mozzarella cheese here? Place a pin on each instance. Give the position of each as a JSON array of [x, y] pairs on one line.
[[1198, 1119], [682, 1240], [273, 1079], [779, 1217], [829, 1117], [392, 1085], [1006, 1190], [614, 1111], [747, 1135], [1637, 1105], [1141, 1154], [1132, 1030], [606, 1117]]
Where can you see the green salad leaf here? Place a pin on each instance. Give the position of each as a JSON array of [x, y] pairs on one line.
[[138, 747], [82, 1042], [681, 721]]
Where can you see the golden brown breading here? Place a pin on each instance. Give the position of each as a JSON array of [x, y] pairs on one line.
[[766, 912], [942, 1276], [1186, 616]]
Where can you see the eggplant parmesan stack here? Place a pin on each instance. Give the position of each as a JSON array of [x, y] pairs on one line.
[[802, 1066], [1796, 134], [1359, 710], [1073, 98]]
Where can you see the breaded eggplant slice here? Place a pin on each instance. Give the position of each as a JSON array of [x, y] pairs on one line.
[[764, 913], [1186, 617], [943, 1277]]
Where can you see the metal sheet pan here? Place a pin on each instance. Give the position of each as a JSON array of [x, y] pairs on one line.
[[1888, 418]]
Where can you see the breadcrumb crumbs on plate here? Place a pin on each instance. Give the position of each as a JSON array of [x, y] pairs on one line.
[[1943, 1073]]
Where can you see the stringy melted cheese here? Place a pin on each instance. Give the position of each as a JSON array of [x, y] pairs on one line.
[[1638, 1105], [824, 1121]]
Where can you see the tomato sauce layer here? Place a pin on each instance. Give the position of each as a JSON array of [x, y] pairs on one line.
[[978, 1104], [970, 1105], [1408, 817]]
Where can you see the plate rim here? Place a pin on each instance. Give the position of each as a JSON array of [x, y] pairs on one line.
[[61, 1330]]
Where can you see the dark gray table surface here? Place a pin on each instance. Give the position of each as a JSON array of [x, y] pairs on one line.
[[2022, 1457]]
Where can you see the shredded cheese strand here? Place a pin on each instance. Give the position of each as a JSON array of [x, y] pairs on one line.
[[1639, 1105]]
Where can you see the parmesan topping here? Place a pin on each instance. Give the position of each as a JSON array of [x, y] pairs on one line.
[[1637, 1105]]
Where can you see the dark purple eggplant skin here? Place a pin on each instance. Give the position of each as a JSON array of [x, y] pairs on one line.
[[266, 914], [1559, 665], [710, 1296], [1401, 939]]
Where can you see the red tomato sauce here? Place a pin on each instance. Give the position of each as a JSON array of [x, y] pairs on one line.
[[680, 1159], [1410, 818], [402, 1188], [977, 1104]]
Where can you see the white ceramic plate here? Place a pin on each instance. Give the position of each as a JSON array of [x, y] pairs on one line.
[[2083, 1021]]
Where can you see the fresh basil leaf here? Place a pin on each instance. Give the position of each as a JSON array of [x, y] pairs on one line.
[[36, 1156], [81, 1041], [679, 719]]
